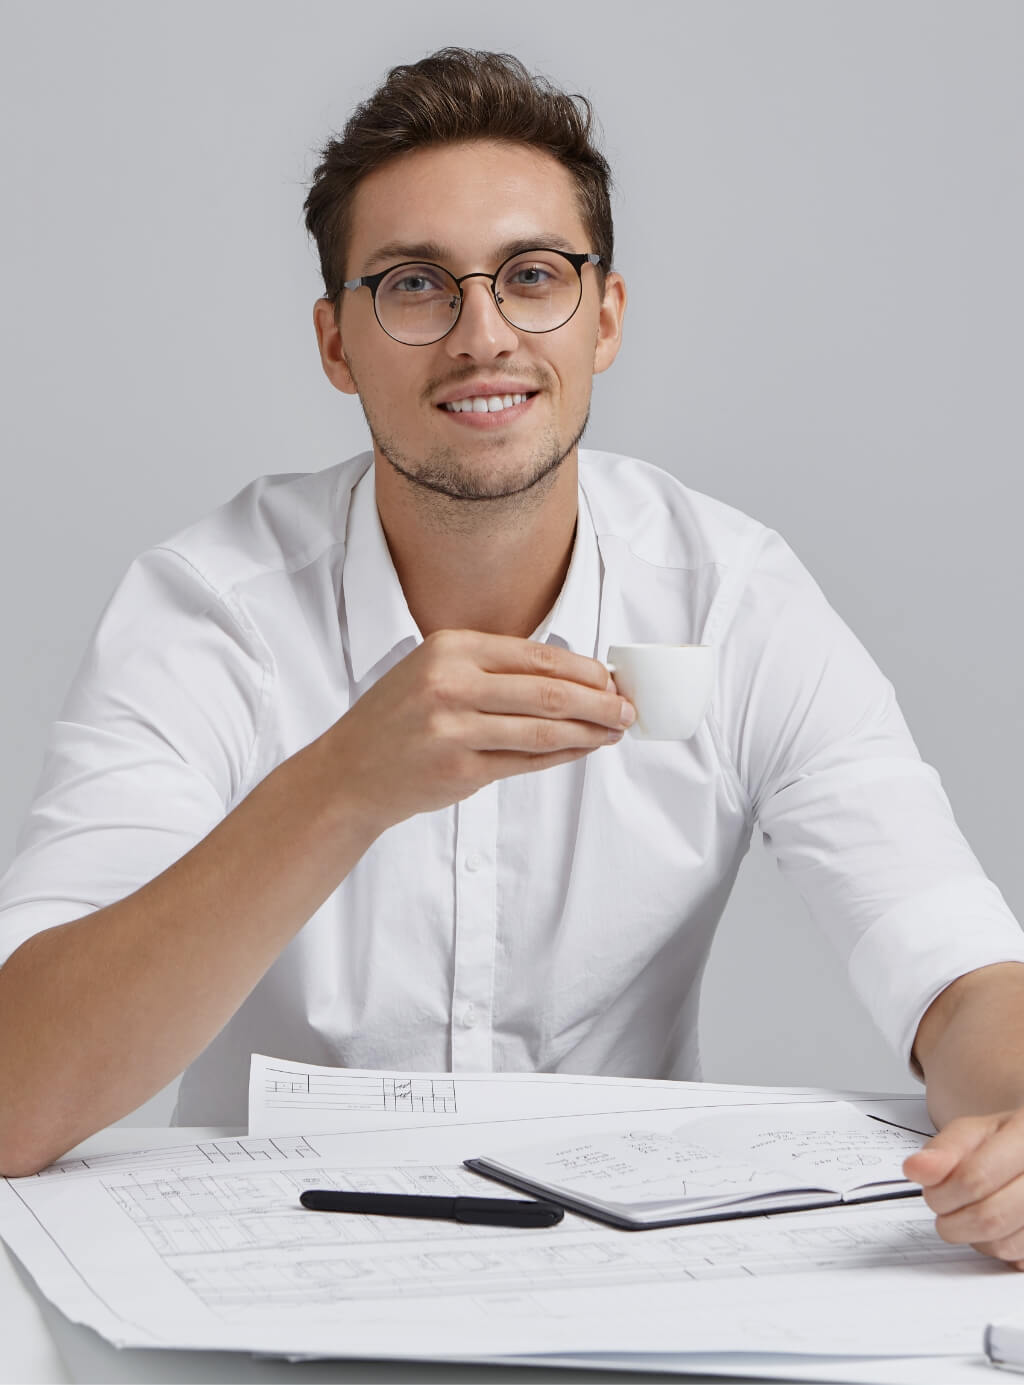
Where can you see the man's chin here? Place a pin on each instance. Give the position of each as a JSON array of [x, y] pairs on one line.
[[469, 489], [463, 484]]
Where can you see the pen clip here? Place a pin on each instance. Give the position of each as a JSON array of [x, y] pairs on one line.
[[506, 1212]]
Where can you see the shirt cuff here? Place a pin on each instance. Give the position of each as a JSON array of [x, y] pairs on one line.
[[913, 952]]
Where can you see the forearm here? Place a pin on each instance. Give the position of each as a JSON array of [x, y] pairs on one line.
[[970, 1044], [97, 1015], [100, 1013]]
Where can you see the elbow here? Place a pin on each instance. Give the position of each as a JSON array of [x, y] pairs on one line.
[[27, 1146], [17, 1165], [18, 1159]]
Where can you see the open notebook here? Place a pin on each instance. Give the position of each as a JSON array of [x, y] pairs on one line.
[[668, 1168]]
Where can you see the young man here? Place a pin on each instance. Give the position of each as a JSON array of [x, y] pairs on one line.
[[343, 776]]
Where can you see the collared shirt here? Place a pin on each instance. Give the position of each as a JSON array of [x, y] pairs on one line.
[[556, 921]]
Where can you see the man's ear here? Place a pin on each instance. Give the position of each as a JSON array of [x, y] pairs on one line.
[[609, 322], [332, 354]]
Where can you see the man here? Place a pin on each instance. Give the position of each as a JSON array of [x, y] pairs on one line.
[[344, 778]]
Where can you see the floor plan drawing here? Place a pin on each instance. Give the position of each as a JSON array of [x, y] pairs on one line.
[[212, 1247], [241, 1242]]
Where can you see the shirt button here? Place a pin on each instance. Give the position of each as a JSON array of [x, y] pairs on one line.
[[474, 862], [469, 1017]]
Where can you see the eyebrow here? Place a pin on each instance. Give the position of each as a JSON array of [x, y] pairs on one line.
[[395, 251]]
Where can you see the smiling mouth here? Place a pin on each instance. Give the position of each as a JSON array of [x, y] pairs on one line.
[[487, 404]]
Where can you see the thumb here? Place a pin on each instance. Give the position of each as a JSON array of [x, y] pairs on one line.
[[937, 1159], [930, 1165]]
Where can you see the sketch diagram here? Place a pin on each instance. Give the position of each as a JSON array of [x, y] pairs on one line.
[[644, 1164], [809, 1149], [840, 1152], [358, 1092]]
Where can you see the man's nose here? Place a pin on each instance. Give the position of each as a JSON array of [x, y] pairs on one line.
[[480, 328]]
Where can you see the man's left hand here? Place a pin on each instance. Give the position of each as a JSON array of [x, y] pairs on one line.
[[972, 1174]]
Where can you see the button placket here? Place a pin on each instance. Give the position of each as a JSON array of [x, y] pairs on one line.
[[476, 909]]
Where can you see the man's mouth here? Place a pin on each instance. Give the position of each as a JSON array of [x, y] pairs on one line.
[[486, 404], [487, 412]]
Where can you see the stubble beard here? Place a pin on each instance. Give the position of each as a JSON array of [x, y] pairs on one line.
[[455, 490]]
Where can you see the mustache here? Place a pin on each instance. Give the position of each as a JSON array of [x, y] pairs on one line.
[[528, 386]]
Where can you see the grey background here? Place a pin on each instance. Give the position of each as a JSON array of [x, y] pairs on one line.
[[819, 217]]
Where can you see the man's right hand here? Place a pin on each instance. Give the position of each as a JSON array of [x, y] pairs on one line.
[[144, 983], [464, 709]]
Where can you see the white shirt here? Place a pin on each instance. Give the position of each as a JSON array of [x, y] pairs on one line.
[[556, 921]]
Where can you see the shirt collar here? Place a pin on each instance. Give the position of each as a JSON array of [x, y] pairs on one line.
[[378, 617], [376, 612], [572, 620]]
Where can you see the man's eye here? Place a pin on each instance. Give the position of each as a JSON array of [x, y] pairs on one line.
[[534, 269]]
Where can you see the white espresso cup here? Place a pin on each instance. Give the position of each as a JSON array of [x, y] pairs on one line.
[[670, 685]]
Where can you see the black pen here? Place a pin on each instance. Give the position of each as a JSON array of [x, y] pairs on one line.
[[481, 1211]]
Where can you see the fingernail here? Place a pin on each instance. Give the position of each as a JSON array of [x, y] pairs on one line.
[[614, 736], [628, 714]]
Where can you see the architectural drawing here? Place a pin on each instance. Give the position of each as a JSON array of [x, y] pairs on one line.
[[241, 1243], [342, 1091]]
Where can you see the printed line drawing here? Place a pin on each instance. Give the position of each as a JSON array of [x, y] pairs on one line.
[[358, 1092], [240, 1243], [208, 1153]]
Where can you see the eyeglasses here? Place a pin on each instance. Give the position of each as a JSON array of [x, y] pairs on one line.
[[535, 291]]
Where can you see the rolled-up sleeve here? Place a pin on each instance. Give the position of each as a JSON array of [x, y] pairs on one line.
[[156, 741], [855, 819]]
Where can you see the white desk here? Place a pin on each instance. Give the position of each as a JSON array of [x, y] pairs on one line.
[[39, 1345]]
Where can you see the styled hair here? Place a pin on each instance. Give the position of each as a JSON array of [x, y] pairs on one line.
[[451, 96]]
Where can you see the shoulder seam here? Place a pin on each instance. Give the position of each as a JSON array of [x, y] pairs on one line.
[[294, 565], [324, 543], [227, 603]]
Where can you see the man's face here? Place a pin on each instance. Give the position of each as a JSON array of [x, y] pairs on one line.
[[471, 200]]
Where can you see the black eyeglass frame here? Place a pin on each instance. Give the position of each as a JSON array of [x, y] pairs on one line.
[[373, 281]]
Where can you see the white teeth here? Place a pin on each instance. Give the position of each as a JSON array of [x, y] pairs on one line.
[[483, 404]]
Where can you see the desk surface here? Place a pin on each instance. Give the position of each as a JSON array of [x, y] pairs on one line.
[[40, 1345]]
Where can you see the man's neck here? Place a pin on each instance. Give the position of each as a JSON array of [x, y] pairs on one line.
[[495, 566]]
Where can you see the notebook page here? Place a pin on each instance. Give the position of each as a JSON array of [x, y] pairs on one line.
[[700, 1159]]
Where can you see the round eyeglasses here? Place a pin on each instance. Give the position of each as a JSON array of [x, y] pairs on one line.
[[418, 303]]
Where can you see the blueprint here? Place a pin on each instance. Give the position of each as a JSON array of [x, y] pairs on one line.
[[206, 1245], [299, 1098]]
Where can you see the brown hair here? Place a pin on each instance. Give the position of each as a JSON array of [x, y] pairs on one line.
[[453, 95]]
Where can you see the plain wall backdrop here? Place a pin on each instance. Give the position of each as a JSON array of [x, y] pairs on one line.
[[819, 217]]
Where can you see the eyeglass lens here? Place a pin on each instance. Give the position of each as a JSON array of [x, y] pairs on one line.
[[418, 303]]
